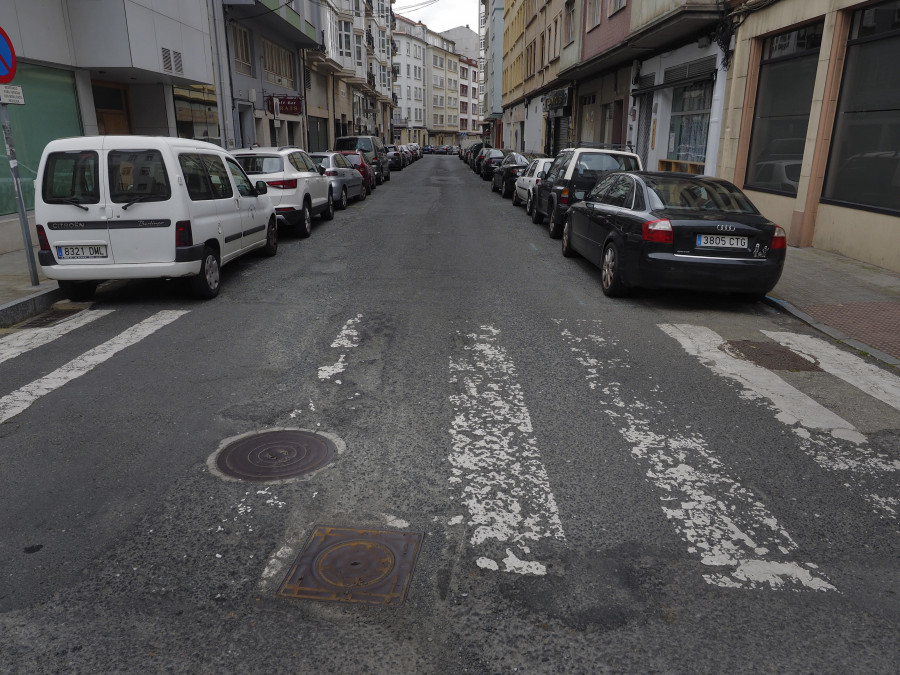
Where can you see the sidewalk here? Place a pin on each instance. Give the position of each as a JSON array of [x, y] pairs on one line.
[[848, 300]]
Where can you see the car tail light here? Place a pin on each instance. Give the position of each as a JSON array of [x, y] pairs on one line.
[[284, 184], [564, 197], [42, 238], [331, 172], [779, 239], [183, 234], [658, 230]]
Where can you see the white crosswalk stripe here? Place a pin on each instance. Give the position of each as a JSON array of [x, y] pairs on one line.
[[832, 442], [724, 523], [18, 401], [864, 376], [497, 469], [25, 340]]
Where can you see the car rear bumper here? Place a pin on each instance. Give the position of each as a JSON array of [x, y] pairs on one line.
[[128, 271], [701, 273]]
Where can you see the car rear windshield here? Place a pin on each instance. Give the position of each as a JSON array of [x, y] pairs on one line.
[[137, 175], [353, 159], [71, 177], [255, 164], [321, 160], [693, 194], [354, 143], [600, 162]]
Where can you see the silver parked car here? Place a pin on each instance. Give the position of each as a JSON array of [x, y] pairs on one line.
[[346, 182]]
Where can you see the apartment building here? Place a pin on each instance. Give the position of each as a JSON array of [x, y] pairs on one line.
[[492, 73], [410, 86], [442, 78], [469, 102], [811, 125]]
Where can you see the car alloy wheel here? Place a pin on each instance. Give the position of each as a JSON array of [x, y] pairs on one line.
[[343, 203], [529, 204], [567, 249]]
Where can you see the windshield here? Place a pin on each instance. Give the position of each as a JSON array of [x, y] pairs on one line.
[[137, 175], [353, 159], [355, 143], [71, 176], [672, 192], [255, 164]]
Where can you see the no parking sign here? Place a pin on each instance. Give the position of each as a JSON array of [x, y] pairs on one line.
[[7, 58]]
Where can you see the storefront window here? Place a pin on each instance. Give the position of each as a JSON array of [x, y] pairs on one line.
[[864, 166], [50, 111], [196, 114], [786, 79], [689, 126]]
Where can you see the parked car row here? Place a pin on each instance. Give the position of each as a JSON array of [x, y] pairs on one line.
[[441, 149], [132, 207], [401, 156], [643, 229]]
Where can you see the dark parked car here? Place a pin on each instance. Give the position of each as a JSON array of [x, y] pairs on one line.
[[358, 161], [472, 153], [513, 165], [396, 158], [476, 162], [491, 160], [428, 150], [672, 230], [372, 149], [574, 172]]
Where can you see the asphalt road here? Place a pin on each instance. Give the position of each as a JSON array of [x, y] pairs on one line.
[[655, 484]]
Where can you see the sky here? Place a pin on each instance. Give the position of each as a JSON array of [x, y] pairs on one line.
[[440, 15]]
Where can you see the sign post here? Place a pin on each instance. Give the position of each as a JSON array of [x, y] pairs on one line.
[[11, 95]]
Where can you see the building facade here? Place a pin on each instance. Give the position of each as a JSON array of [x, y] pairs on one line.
[[410, 85]]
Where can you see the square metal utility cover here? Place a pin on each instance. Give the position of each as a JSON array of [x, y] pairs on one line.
[[347, 565], [50, 317]]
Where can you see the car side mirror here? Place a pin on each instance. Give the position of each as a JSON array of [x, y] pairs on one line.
[[542, 175], [261, 187], [321, 170]]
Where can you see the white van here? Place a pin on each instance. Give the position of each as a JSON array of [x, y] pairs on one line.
[[137, 207]]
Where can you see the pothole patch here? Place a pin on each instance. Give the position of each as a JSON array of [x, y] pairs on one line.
[[338, 564], [770, 355], [274, 456]]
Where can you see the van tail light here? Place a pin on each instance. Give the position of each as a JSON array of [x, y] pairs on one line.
[[42, 238], [183, 234], [564, 197], [283, 184], [779, 239], [659, 231]]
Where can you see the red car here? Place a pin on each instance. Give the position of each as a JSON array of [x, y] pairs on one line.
[[356, 158]]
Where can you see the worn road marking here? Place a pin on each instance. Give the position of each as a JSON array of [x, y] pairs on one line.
[[18, 401], [27, 339], [864, 376], [496, 465], [723, 522], [348, 338], [820, 431]]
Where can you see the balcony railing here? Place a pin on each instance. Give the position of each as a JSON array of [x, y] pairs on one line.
[[395, 48], [395, 99], [371, 78], [396, 69]]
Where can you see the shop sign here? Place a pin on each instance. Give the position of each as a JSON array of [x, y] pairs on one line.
[[285, 105], [558, 98]]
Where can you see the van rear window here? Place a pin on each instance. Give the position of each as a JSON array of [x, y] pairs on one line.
[[71, 177], [137, 175]]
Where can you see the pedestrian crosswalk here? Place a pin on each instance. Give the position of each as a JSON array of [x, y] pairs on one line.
[[17, 401], [504, 502]]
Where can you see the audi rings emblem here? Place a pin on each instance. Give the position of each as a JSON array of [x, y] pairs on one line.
[[725, 228]]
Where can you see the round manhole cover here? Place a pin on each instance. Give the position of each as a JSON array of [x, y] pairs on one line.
[[275, 455], [352, 564]]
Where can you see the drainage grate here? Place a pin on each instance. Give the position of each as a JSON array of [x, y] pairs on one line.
[[275, 455], [372, 567], [769, 355], [50, 318]]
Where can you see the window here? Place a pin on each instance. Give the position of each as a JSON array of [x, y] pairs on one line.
[[689, 124], [407, 47], [359, 50], [382, 41], [784, 95], [593, 13], [137, 174], [435, 119], [244, 186], [864, 164], [71, 175], [569, 22], [243, 61], [614, 6], [278, 65], [344, 28]]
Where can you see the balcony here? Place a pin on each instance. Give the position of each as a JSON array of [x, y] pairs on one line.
[[370, 78], [395, 99], [396, 69], [399, 122], [370, 7], [370, 41], [395, 48]]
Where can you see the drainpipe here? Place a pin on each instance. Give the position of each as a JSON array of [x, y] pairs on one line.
[[222, 84]]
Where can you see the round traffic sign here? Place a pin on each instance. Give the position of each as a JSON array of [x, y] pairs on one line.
[[7, 58]]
